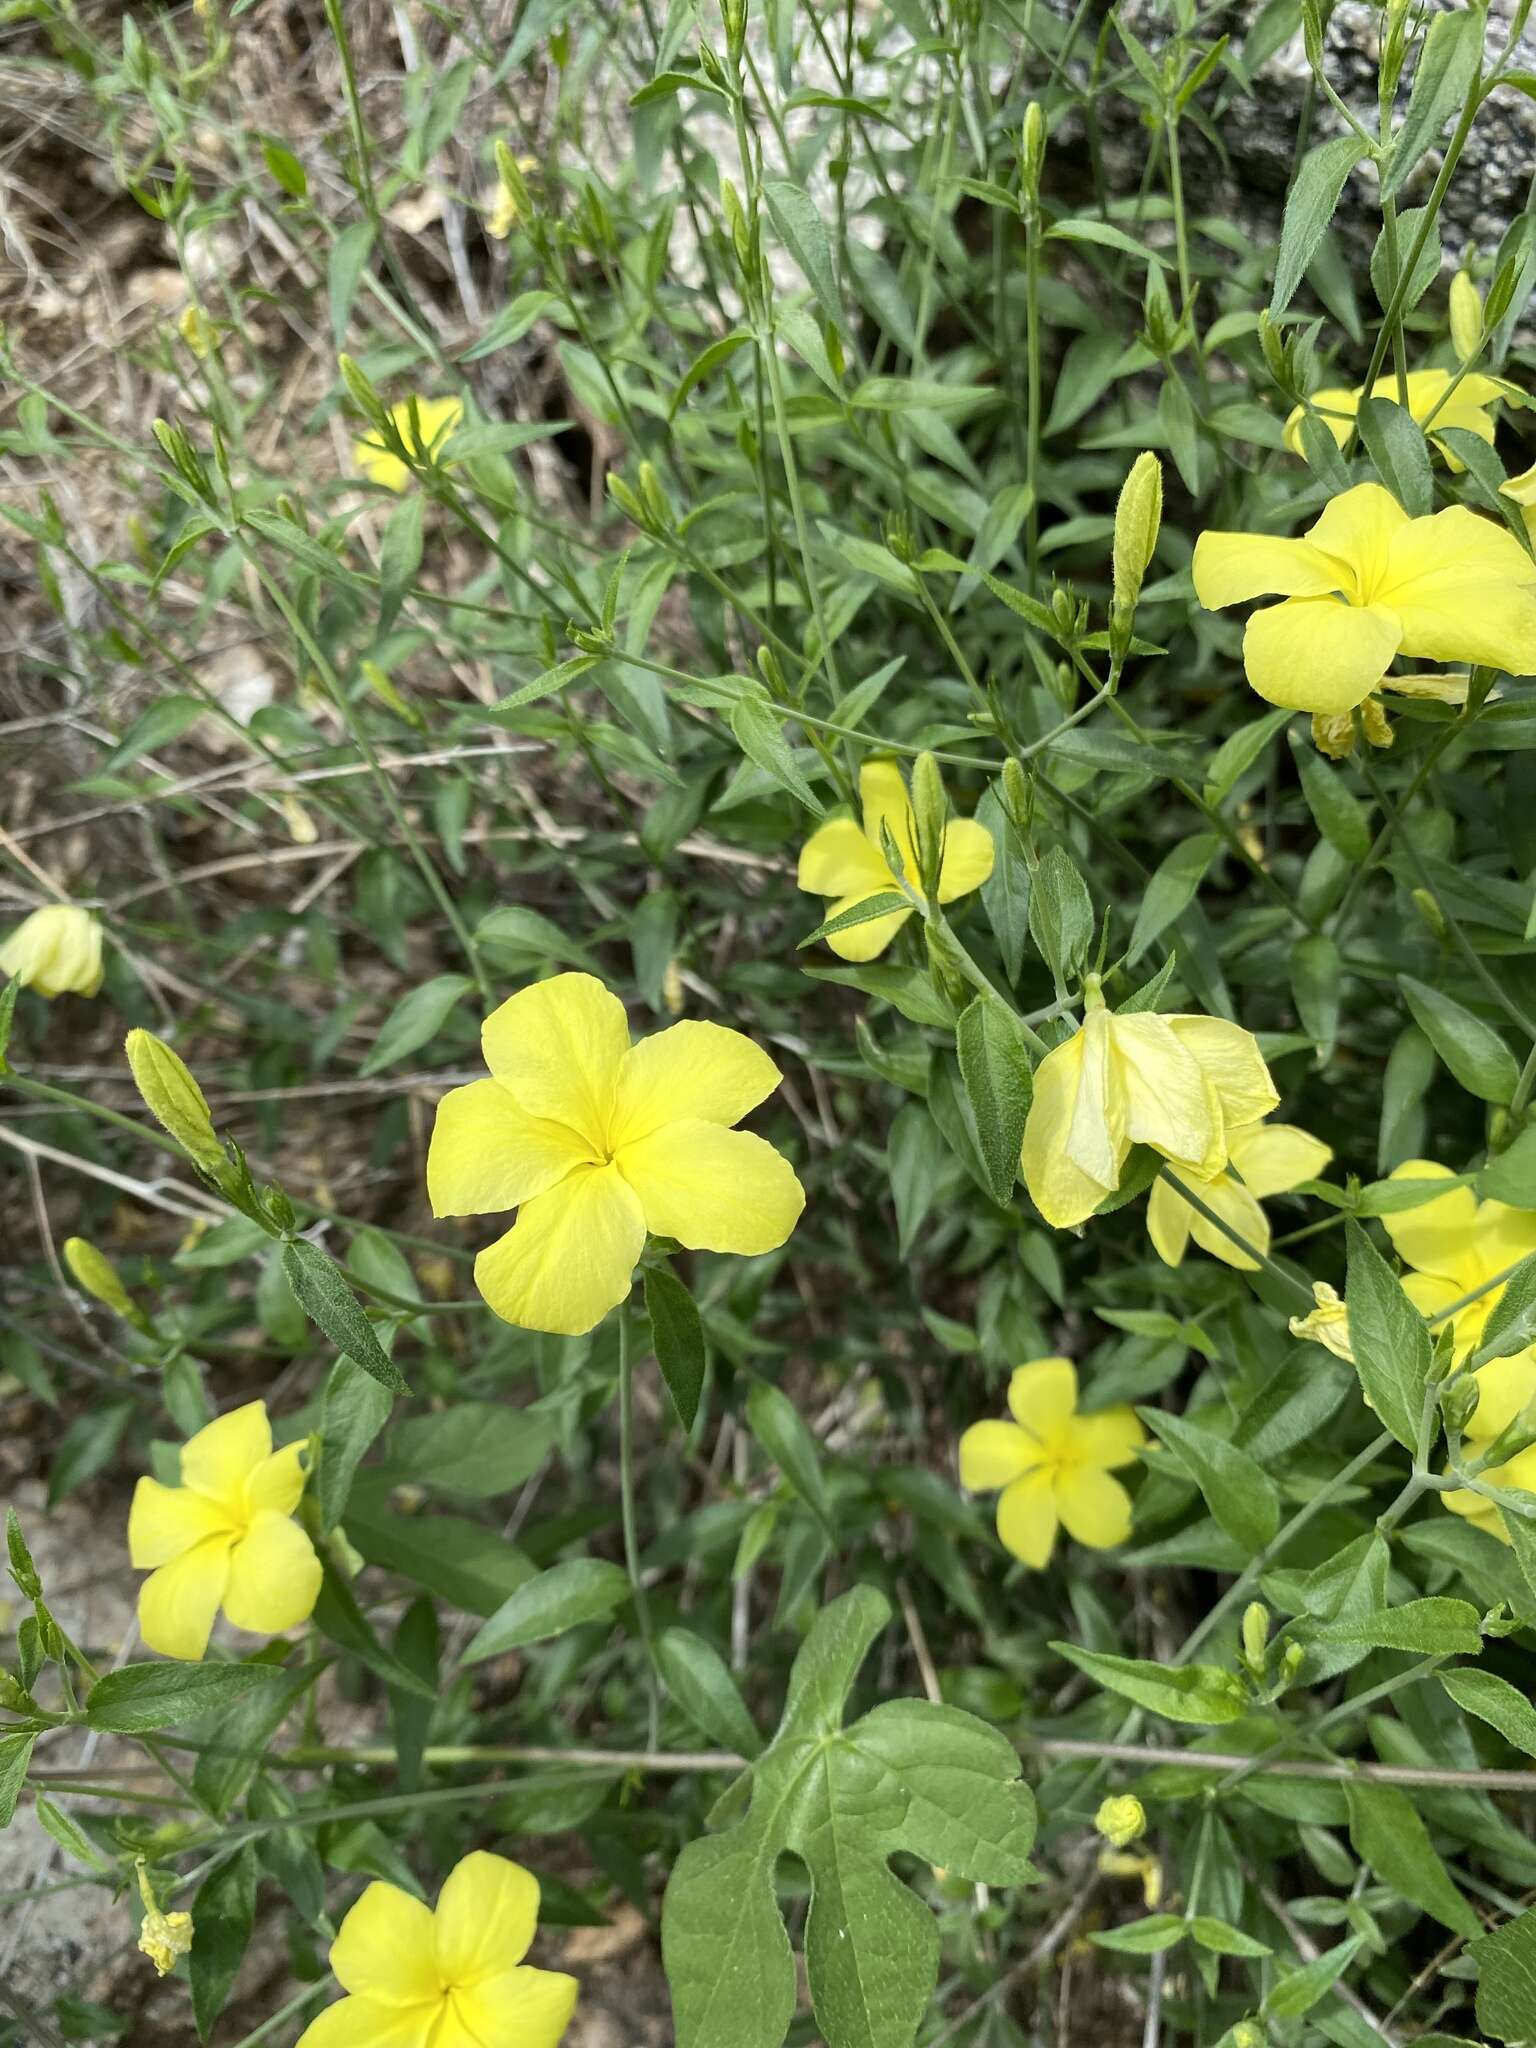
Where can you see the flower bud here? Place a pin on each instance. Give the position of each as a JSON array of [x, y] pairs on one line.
[[1255, 1636], [1018, 793], [196, 330], [1121, 1819], [1138, 515], [1032, 148], [95, 1272], [361, 392], [174, 1098], [510, 171], [1458, 1402], [1466, 317], [653, 496], [930, 810]]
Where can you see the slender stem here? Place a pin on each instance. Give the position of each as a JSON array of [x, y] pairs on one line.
[[1259, 1258], [627, 1511]]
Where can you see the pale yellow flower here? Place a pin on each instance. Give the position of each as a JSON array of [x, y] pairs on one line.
[[1468, 407], [57, 951], [436, 417]]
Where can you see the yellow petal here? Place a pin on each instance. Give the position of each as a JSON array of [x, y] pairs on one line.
[[1169, 1217], [1465, 590], [1042, 1396], [1438, 1236], [839, 860], [1504, 1235], [177, 1603], [868, 940], [883, 794], [570, 1256], [363, 2023], [522, 2008], [385, 1950], [692, 1069], [1315, 654], [219, 1459], [1274, 1158], [714, 1190], [1095, 1509], [1521, 488], [489, 1153], [1026, 1519], [1235, 1205], [278, 1482], [1231, 568], [1110, 1438], [1450, 688], [994, 1454], [486, 1915], [1338, 410], [556, 1047], [166, 1521], [1359, 527], [967, 858], [1505, 1386], [1071, 1099], [274, 1576], [1166, 1105], [1232, 1065]]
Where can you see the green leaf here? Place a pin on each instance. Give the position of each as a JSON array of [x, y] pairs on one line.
[[8, 996], [1433, 1627], [1395, 442], [164, 721], [1496, 1701], [342, 1621], [223, 1914], [760, 735], [235, 1740], [1198, 1693], [1443, 79], [285, 168], [678, 1338], [15, 1755], [1238, 752], [1223, 1940], [400, 555], [1387, 1833], [1238, 1491], [580, 1590], [1061, 915], [1301, 1989], [1473, 1050], [1006, 891], [1506, 1979], [1317, 975], [1339, 815], [88, 1447], [1509, 1178], [418, 1016], [696, 1676], [71, 1838], [802, 231], [1314, 194], [776, 1423], [1144, 1937], [1101, 233], [1171, 890], [353, 1411], [707, 360], [349, 255], [882, 904], [1425, 271], [1389, 1339], [137, 1698], [928, 1781], [995, 1069], [1511, 1324], [475, 1449], [473, 1567], [333, 1308]]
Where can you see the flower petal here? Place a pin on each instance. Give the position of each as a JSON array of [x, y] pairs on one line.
[[1169, 1217], [692, 1069], [994, 1454], [1166, 1104], [1072, 1103], [364, 2023], [177, 1603], [1440, 1235], [278, 1482], [1095, 1509], [486, 1915], [274, 1576], [1315, 654], [1042, 1396], [839, 860], [883, 794], [713, 1190], [556, 1047], [1465, 590], [488, 1153], [967, 858], [1338, 410], [385, 1952], [1026, 1519], [219, 1459], [1231, 568], [522, 2008], [1358, 528], [868, 940], [165, 1522], [1233, 1067], [1274, 1158], [1112, 1437], [570, 1256], [1504, 1387], [1236, 1205]]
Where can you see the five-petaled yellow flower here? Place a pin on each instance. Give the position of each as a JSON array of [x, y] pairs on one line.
[[57, 951], [1178, 1084], [1368, 583], [224, 1537], [595, 1141], [436, 417], [847, 861], [1455, 1244], [1262, 1160], [454, 1978], [1051, 1466], [1467, 407]]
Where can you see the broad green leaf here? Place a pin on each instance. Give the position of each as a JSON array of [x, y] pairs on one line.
[[164, 721], [235, 1740], [1395, 442], [1224, 1940], [1171, 890], [803, 232], [468, 1564], [1145, 1937], [776, 1423], [1238, 753], [137, 1698], [15, 1755], [1432, 1627], [333, 1308], [678, 1338], [1313, 196], [1006, 891], [1338, 814], [1473, 1050], [1387, 1833], [417, 1017], [1061, 915], [349, 255], [223, 1914], [994, 1066], [1198, 1693], [475, 1449], [582, 1589], [1389, 1339], [1238, 1491], [697, 1677], [1506, 1979], [760, 735], [1316, 983], [1496, 1701], [355, 1407], [1449, 58], [400, 555], [1297, 1992]]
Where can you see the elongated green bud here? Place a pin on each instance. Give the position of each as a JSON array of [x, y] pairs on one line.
[[1466, 317], [95, 1272], [930, 812], [174, 1098], [1138, 515]]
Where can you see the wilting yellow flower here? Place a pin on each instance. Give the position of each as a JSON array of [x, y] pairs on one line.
[[57, 951], [1467, 406], [1051, 1465], [1145, 1869], [1326, 1324], [847, 861], [595, 1142], [1271, 1160], [1368, 583], [1121, 1819], [1178, 1084], [437, 418], [224, 1537], [196, 330], [1333, 732], [162, 1936], [454, 1978]]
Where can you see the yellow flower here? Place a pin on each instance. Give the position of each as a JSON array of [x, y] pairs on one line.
[[1052, 1465], [1270, 1159], [437, 418], [1178, 1084], [196, 330], [1521, 490], [1454, 1244], [1326, 1324], [1478, 1509], [162, 1936], [57, 951], [1121, 1819], [1368, 583], [1467, 406], [595, 1142], [847, 862], [454, 1978], [224, 1537]]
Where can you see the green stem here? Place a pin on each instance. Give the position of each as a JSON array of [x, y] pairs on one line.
[[627, 1513]]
